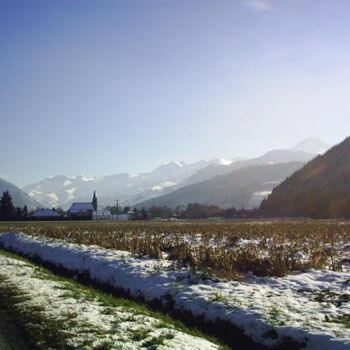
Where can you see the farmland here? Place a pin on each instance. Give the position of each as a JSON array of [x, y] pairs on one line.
[[284, 284], [225, 249]]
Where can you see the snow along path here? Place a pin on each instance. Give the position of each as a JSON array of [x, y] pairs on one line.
[[88, 323], [312, 308]]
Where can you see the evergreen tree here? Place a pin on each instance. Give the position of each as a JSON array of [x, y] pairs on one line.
[[143, 214], [94, 201], [25, 212], [7, 210], [18, 213]]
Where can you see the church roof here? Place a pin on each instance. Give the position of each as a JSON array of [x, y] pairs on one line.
[[81, 207]]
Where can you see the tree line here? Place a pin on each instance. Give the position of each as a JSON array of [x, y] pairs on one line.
[[201, 211], [192, 211]]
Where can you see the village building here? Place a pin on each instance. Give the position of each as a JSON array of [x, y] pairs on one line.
[[83, 211], [102, 215], [107, 215], [45, 214], [90, 211], [124, 216]]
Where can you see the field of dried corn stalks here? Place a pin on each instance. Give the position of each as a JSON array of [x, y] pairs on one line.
[[225, 249]]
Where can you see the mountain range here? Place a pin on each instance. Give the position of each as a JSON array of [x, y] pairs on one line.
[[247, 181], [128, 188], [243, 183], [245, 187]]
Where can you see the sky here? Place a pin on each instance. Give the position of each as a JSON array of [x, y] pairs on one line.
[[107, 86]]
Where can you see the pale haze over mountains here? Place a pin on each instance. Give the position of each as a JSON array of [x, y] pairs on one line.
[[179, 183]]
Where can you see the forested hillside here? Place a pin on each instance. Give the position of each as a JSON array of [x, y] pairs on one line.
[[321, 189]]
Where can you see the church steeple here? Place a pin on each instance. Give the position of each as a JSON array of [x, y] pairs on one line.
[[94, 201]]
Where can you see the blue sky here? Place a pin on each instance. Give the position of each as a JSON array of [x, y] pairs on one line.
[[100, 87]]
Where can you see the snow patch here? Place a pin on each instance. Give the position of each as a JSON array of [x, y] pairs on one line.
[[132, 175], [34, 193], [86, 178], [67, 183], [222, 161], [262, 194], [163, 185], [178, 163], [93, 321], [52, 196], [70, 193]]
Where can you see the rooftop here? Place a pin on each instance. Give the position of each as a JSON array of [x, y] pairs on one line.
[[81, 206]]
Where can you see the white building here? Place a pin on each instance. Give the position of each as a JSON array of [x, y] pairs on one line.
[[107, 215], [102, 215]]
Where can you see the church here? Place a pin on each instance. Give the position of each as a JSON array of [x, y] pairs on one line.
[[83, 211]]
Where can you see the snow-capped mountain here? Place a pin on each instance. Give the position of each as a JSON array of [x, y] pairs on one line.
[[272, 157], [235, 184], [131, 189], [61, 190]]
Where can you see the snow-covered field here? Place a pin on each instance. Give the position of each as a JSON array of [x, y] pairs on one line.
[[312, 307], [86, 323]]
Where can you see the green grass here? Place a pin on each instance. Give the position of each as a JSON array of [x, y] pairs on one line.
[[218, 297], [152, 343], [40, 332], [140, 334], [344, 320], [274, 317]]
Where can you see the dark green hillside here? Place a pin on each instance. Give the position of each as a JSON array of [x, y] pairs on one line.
[[321, 189]]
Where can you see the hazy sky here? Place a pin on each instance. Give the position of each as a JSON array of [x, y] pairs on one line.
[[100, 87]]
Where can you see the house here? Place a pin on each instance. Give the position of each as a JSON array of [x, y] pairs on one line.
[[81, 211], [45, 214], [102, 215]]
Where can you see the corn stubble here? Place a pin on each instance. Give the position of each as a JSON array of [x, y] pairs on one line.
[[224, 249]]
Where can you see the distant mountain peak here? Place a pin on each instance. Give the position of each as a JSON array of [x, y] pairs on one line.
[[312, 145], [176, 164]]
